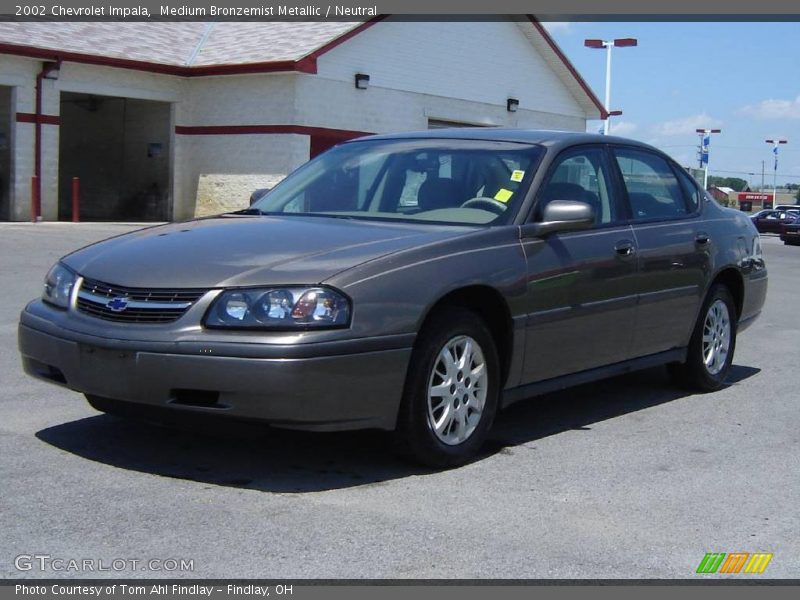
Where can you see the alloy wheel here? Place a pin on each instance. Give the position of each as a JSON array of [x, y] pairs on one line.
[[457, 389], [716, 337]]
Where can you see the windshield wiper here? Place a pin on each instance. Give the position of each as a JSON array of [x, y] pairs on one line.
[[249, 211], [330, 215]]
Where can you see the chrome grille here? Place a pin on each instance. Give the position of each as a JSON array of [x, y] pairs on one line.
[[140, 305]]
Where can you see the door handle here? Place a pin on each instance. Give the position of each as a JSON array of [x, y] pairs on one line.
[[702, 238], [625, 248]]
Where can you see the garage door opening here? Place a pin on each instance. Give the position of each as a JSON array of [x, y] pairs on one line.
[[5, 153], [119, 149]]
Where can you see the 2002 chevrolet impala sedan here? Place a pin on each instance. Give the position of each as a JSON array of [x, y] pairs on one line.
[[415, 283]]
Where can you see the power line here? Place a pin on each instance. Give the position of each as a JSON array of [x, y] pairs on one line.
[[752, 173]]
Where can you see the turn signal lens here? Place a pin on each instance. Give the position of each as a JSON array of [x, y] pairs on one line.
[[320, 306]]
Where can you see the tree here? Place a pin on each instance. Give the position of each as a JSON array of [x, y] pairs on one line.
[[732, 182], [797, 196]]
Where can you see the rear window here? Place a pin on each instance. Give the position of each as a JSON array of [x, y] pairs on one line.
[[653, 189]]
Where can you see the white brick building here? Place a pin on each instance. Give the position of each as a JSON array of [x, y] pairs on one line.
[[141, 111]]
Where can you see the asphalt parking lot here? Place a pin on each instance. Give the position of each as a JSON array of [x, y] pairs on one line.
[[627, 478]]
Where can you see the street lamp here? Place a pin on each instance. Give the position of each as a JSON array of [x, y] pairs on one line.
[[705, 142], [608, 45], [775, 143]]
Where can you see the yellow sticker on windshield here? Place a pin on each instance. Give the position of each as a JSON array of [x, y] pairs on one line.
[[503, 195], [517, 175]]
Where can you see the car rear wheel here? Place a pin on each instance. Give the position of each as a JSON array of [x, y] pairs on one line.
[[710, 353], [451, 392]]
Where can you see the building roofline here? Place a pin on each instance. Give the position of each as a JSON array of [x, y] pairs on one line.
[[305, 64], [569, 66], [330, 45]]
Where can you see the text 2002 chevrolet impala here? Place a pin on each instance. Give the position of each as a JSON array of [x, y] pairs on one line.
[[415, 283]]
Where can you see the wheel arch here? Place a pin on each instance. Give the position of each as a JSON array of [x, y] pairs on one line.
[[732, 279], [492, 307]]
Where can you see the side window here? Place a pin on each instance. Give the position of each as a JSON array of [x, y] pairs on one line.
[[691, 189], [653, 190], [580, 175]]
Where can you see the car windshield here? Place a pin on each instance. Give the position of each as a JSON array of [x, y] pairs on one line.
[[448, 181]]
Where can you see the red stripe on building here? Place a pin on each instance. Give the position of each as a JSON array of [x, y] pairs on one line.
[[43, 119], [266, 129]]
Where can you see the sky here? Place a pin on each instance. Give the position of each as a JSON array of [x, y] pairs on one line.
[[742, 78]]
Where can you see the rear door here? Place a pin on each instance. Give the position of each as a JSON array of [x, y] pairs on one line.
[[673, 247], [581, 298]]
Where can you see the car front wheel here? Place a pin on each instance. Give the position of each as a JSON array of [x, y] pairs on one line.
[[451, 391], [710, 353]]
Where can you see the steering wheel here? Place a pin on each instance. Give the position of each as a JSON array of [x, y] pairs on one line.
[[485, 203]]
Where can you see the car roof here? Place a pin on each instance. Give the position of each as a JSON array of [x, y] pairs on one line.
[[543, 137]]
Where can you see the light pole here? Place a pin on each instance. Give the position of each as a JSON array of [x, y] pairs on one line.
[[608, 45], [775, 143], [705, 142]]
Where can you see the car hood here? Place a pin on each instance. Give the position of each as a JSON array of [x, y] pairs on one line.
[[247, 250]]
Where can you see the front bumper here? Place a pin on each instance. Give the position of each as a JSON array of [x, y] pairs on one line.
[[310, 388]]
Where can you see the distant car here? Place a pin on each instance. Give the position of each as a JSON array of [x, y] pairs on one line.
[[770, 221], [790, 233], [788, 207], [416, 282]]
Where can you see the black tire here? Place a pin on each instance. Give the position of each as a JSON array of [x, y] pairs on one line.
[[694, 373], [415, 436]]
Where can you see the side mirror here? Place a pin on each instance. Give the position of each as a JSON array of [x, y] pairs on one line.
[[561, 215]]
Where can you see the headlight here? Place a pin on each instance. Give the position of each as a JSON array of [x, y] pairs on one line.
[[280, 308], [58, 286]]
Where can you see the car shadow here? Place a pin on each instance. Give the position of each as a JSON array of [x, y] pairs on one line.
[[257, 457], [580, 407]]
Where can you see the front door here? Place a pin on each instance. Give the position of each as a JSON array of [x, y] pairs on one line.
[[581, 298]]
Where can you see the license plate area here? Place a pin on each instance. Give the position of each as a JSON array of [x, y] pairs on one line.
[[106, 372]]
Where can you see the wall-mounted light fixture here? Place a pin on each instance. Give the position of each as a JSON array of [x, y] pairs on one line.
[[512, 104], [362, 81], [51, 70]]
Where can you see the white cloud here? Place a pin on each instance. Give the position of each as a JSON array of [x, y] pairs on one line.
[[686, 125], [773, 109], [623, 128], [557, 26]]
